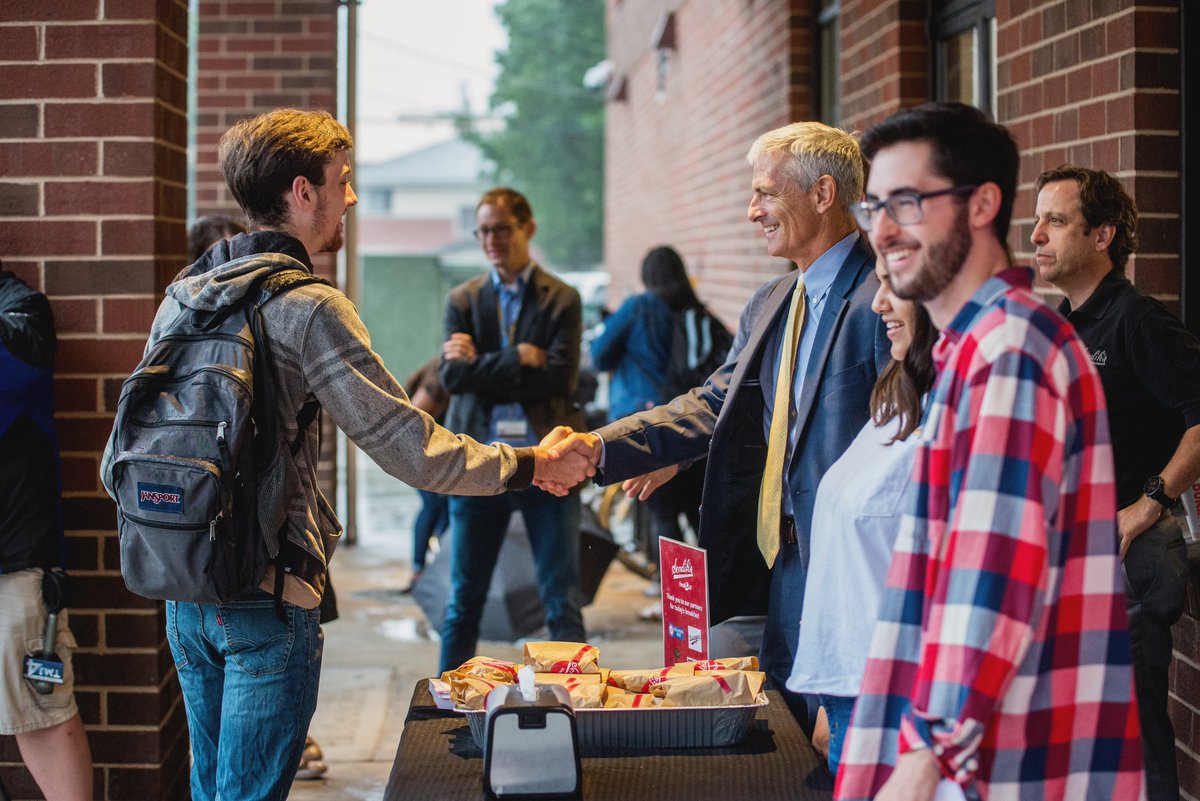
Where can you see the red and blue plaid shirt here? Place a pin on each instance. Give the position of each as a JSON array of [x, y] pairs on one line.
[[1002, 643]]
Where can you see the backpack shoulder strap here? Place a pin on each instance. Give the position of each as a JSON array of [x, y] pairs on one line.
[[274, 285], [308, 412], [283, 280]]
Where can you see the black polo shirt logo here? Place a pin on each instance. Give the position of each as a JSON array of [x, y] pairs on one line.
[[1099, 357]]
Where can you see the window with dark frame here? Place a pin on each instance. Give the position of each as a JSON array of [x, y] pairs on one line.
[[828, 57], [963, 33]]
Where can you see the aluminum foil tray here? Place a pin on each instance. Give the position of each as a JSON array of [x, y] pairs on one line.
[[670, 727]]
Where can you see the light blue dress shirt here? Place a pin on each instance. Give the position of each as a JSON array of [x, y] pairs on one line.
[[817, 280], [510, 298]]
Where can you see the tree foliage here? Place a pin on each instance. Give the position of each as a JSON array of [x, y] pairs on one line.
[[551, 144]]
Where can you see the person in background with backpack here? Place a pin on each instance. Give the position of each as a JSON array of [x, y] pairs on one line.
[[42, 715], [249, 678], [659, 344]]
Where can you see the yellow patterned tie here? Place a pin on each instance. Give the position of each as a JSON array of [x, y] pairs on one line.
[[771, 494]]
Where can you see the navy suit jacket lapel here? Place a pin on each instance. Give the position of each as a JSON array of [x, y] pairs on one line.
[[487, 338], [831, 316], [773, 307]]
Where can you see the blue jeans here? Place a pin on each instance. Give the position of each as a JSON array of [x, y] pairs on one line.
[[432, 521], [837, 712], [480, 525], [249, 688]]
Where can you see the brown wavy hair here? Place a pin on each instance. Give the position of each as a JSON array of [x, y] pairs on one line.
[[262, 156], [901, 386]]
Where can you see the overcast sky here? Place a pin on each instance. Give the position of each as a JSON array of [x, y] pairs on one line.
[[416, 60]]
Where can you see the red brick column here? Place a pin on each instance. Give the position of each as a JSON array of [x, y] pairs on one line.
[[92, 192]]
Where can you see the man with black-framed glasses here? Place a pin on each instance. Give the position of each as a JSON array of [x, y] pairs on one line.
[[511, 362], [1001, 658]]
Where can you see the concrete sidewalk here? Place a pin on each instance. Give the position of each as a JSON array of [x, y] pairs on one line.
[[381, 645]]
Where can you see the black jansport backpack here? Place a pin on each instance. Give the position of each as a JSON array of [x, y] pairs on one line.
[[699, 344], [195, 434]]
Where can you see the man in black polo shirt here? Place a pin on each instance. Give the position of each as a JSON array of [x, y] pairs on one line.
[[1084, 231]]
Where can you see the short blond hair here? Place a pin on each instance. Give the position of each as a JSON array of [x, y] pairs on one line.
[[813, 149]]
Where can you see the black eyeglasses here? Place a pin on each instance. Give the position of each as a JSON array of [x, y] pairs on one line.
[[904, 208], [501, 231]]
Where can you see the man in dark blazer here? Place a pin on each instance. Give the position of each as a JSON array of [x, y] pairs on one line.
[[806, 176], [511, 362]]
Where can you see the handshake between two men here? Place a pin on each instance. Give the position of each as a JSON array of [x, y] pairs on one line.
[[566, 457]]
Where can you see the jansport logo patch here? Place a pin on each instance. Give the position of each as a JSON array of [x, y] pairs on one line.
[[162, 498]]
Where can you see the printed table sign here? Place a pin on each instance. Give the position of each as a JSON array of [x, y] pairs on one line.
[[683, 571]]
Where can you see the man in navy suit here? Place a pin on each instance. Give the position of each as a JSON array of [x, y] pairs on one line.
[[806, 176]]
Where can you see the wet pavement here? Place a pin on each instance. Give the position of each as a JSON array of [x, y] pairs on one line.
[[381, 645]]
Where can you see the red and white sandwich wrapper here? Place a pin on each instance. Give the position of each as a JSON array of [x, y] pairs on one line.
[[728, 663], [640, 681], [562, 657], [734, 688], [470, 692], [619, 699], [485, 667]]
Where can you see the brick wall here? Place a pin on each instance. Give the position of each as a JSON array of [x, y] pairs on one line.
[[884, 59], [1097, 84], [675, 159], [255, 56], [92, 196]]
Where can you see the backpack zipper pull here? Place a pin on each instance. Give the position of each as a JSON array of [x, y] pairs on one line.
[[222, 445], [212, 538]]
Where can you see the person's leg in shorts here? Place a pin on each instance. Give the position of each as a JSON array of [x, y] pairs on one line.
[[48, 729]]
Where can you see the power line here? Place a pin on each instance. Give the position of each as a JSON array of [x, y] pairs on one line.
[[420, 54]]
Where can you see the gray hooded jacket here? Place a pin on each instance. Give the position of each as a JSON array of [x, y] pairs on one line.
[[321, 350]]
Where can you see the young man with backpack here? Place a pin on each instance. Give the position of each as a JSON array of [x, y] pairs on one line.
[[249, 655]]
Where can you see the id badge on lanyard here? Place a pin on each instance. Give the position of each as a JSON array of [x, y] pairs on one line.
[[509, 423]]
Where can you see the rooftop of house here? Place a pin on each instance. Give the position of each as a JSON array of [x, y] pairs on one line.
[[445, 164]]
